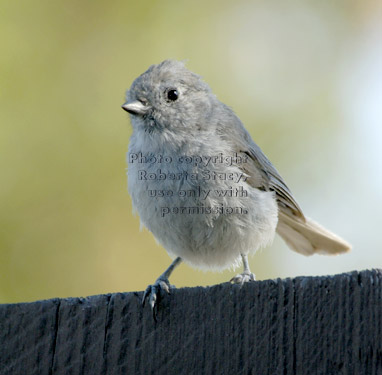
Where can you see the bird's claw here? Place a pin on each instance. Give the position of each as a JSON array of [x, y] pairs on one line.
[[153, 294], [242, 278]]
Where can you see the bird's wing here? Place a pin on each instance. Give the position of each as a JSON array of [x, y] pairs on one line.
[[299, 232], [259, 165], [261, 173]]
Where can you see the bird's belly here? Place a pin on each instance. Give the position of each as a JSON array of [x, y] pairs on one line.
[[209, 223]]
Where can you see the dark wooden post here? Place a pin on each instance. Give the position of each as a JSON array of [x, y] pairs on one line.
[[306, 325]]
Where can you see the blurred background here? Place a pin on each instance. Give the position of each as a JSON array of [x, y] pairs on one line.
[[305, 77]]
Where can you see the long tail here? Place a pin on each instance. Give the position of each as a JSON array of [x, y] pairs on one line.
[[307, 237]]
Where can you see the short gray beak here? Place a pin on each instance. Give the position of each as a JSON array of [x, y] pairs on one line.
[[135, 107]]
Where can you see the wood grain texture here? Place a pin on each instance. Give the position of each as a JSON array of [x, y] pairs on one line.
[[307, 325]]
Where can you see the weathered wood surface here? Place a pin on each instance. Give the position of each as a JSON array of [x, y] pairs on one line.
[[306, 325]]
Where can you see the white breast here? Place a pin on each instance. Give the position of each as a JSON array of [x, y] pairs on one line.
[[183, 225]]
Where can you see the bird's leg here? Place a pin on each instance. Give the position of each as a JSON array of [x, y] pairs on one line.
[[153, 292], [246, 275]]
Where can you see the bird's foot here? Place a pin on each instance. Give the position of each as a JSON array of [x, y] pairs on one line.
[[242, 278], [154, 292]]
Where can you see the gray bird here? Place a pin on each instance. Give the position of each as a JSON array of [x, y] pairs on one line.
[[200, 183]]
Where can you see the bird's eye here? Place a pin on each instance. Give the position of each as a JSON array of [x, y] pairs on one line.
[[172, 95]]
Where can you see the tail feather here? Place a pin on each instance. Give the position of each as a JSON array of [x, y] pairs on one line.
[[307, 237]]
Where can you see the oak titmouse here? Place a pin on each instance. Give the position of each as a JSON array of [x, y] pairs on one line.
[[201, 185]]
